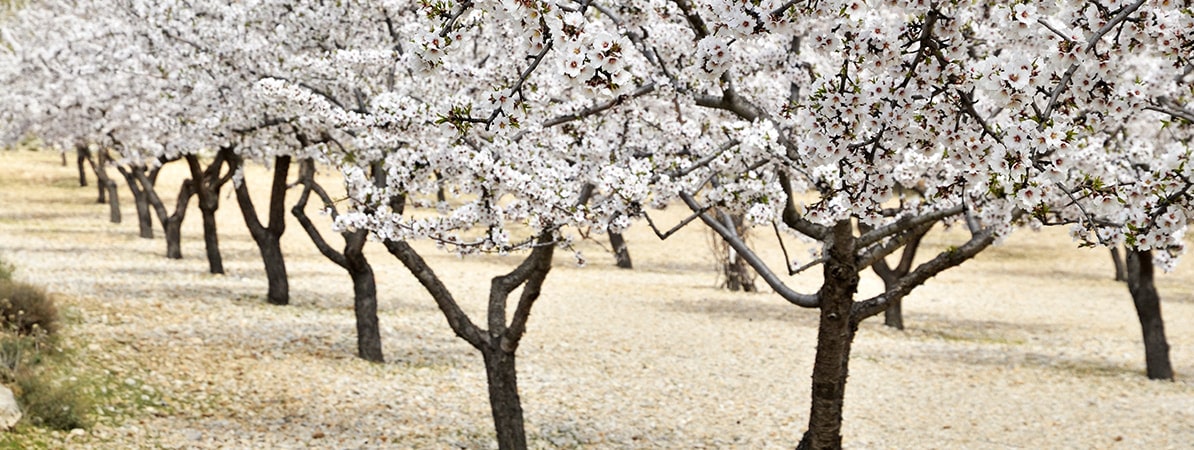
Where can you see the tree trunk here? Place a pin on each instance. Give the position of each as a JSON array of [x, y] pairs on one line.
[[270, 247], [835, 333], [1148, 309], [211, 240], [207, 184], [894, 315], [1118, 261], [107, 186], [268, 237], [621, 252], [172, 225], [504, 402], [144, 221], [737, 273], [113, 201], [364, 289], [82, 153], [351, 259]]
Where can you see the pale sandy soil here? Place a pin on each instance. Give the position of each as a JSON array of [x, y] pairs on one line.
[[1032, 345]]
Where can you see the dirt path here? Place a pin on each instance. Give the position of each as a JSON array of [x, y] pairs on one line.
[[1030, 346]]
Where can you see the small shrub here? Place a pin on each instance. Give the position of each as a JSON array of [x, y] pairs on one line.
[[57, 405], [18, 353], [27, 309]]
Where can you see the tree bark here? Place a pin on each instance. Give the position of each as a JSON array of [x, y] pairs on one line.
[[207, 184], [1148, 309], [621, 252], [1120, 269], [365, 306], [835, 334], [504, 402], [144, 220], [268, 237]]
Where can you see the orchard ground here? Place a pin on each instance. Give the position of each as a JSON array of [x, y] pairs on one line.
[[1031, 345]]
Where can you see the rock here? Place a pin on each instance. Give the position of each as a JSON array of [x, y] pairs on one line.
[[10, 412]]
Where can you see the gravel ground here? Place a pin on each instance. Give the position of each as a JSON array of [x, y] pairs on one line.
[[1032, 345]]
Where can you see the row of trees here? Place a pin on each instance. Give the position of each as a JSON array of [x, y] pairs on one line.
[[506, 127]]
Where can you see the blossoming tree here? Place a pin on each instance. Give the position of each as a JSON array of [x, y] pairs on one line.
[[994, 111], [814, 118]]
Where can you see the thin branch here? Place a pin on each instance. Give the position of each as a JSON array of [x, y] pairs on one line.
[[673, 230], [748, 255], [1059, 34], [1090, 45], [1173, 110], [602, 107], [907, 222], [706, 160]]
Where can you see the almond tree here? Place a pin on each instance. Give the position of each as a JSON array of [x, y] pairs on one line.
[[990, 107]]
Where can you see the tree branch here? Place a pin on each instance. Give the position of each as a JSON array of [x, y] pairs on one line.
[[949, 258], [457, 319], [540, 259], [307, 180], [748, 255], [905, 223]]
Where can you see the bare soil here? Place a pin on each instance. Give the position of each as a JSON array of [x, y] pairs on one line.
[[1031, 345]]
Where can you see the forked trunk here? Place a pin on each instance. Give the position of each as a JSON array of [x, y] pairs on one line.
[[621, 252], [171, 223], [268, 237], [835, 333], [144, 220], [503, 399], [207, 184], [1148, 309], [737, 273], [351, 259], [364, 288], [893, 316]]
